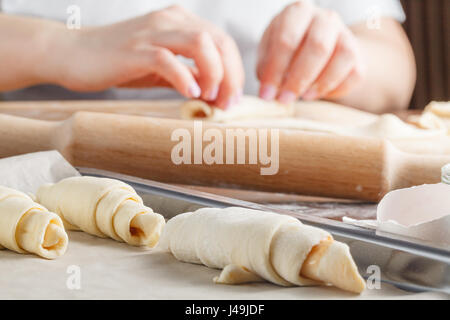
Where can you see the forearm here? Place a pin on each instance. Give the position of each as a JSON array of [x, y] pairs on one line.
[[390, 73], [28, 51]]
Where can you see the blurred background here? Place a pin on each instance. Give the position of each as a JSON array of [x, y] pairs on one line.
[[428, 27]]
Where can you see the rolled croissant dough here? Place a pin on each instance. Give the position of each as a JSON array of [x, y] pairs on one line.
[[252, 245], [255, 112], [26, 226], [103, 207]]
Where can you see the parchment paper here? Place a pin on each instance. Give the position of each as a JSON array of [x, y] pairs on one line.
[[113, 270], [29, 171], [421, 212]]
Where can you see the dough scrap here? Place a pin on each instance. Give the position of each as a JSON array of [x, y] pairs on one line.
[[439, 108], [251, 245], [427, 120], [436, 115], [103, 207], [27, 227]]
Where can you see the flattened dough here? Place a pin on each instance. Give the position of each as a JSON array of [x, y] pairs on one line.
[[387, 126], [254, 112], [27, 227], [248, 108], [252, 245], [439, 108], [103, 207]]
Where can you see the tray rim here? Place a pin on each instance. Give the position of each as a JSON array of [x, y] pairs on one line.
[[393, 241]]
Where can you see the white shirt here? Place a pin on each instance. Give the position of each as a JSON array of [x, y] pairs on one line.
[[244, 20]]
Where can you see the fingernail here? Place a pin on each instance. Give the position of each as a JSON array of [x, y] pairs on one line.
[[310, 94], [287, 97], [268, 92], [212, 95], [225, 106], [231, 102], [239, 96], [235, 99], [194, 90]]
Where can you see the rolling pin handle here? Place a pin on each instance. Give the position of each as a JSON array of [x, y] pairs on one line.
[[21, 135]]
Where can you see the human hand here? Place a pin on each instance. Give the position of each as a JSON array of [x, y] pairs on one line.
[[308, 52], [141, 52]]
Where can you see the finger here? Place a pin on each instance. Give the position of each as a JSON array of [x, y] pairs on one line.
[[153, 80], [149, 81], [279, 45], [163, 63], [312, 55], [199, 46], [348, 85], [263, 48], [268, 88], [338, 68], [230, 90]]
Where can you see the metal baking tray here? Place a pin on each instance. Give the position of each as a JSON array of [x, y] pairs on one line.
[[407, 263]]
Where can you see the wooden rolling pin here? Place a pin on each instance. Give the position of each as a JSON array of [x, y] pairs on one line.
[[310, 164], [325, 112]]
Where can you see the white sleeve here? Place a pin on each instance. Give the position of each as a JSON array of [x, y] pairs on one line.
[[355, 11]]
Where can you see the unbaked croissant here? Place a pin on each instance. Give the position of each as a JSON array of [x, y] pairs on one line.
[[252, 245], [27, 227], [103, 207]]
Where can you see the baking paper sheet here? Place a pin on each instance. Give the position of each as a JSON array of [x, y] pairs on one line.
[[29, 171], [113, 270], [421, 212]]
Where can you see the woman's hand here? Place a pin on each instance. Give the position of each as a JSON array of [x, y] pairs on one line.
[[141, 52], [308, 52]]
